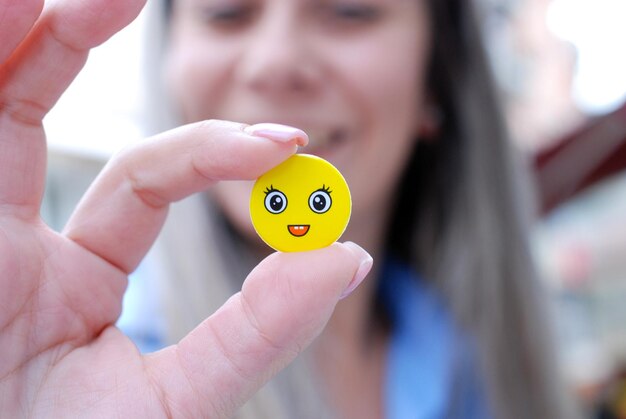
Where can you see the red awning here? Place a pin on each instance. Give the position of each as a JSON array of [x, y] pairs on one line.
[[581, 159]]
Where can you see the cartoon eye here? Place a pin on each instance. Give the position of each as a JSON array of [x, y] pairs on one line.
[[320, 200], [275, 201]]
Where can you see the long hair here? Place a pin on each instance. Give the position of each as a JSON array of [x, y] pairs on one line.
[[464, 199]]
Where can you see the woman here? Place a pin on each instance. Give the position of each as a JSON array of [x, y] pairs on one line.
[[439, 203], [400, 89]]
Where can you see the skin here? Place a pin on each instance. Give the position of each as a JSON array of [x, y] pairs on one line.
[[327, 78], [61, 292], [355, 84]]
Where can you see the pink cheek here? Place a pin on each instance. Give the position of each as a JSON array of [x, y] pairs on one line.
[[190, 88], [177, 74]]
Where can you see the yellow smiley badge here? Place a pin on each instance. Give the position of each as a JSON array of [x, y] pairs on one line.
[[301, 204]]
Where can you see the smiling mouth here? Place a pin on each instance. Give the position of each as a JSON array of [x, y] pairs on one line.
[[298, 230], [321, 141]]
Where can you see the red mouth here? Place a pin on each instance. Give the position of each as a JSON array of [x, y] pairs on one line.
[[298, 230]]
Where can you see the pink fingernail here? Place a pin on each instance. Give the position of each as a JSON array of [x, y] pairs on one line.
[[279, 133], [365, 266]]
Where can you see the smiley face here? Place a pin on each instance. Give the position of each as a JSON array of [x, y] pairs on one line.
[[302, 204]]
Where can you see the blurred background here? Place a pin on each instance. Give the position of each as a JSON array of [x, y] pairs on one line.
[[561, 69]]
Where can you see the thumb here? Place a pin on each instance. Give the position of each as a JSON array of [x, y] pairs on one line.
[[284, 304]]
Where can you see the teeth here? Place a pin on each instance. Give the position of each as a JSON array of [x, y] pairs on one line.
[[318, 139], [324, 138], [298, 230]]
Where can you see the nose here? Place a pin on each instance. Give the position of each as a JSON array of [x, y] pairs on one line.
[[278, 60]]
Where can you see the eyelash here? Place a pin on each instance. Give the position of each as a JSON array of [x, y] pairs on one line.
[[228, 15], [338, 14], [325, 189], [355, 12]]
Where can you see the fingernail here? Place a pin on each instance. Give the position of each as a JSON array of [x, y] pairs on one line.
[[279, 133], [365, 266]]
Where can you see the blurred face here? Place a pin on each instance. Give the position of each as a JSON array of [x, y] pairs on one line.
[[348, 72]]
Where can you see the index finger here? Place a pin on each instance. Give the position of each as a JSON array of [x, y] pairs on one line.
[[122, 213]]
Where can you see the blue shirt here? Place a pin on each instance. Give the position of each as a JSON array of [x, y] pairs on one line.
[[430, 363]]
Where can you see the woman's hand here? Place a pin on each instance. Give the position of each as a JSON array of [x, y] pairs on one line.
[[60, 294]]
